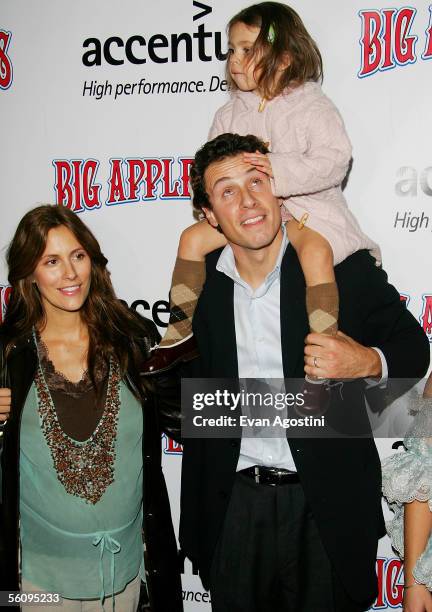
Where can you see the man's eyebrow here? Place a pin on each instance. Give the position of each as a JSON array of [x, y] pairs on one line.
[[229, 178]]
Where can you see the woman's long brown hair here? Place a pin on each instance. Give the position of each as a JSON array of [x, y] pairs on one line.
[[112, 327]]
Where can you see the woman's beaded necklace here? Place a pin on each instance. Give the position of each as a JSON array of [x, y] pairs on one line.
[[85, 469]]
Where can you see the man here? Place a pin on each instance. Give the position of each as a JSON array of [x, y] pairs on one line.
[[308, 543]]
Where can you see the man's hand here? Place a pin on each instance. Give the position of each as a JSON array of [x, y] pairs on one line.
[[340, 357], [260, 161], [5, 404]]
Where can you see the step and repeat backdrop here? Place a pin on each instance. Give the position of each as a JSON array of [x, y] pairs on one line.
[[104, 103]]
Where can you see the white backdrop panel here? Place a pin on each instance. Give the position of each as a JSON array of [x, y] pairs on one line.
[[45, 117]]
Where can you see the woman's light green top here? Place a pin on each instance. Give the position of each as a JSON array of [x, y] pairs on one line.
[[70, 546]]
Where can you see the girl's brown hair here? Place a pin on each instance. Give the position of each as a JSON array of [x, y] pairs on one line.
[[282, 36], [111, 325]]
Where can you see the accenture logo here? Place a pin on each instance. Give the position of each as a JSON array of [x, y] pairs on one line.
[[159, 48]]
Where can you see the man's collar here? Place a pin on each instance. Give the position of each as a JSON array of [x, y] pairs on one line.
[[226, 262]]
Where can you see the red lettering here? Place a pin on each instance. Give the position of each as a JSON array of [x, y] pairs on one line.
[[172, 447], [74, 184], [426, 315], [76, 187], [404, 44], [394, 590], [379, 603], [185, 163], [427, 54], [116, 188], [5, 293], [5, 63], [134, 177], [90, 190], [370, 42], [63, 184], [168, 191], [386, 39], [153, 174], [388, 55], [76, 165]]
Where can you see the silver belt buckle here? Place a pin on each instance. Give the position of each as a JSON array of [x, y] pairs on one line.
[[257, 474]]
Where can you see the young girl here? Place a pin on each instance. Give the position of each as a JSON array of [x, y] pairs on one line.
[[407, 485], [274, 68]]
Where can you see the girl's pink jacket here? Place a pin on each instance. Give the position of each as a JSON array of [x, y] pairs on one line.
[[310, 155]]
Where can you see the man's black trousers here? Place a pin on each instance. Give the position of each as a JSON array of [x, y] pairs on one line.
[[270, 556]]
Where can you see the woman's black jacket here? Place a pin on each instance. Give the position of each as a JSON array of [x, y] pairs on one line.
[[161, 413]]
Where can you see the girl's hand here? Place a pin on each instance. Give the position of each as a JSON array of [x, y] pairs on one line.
[[5, 404], [260, 161], [417, 599]]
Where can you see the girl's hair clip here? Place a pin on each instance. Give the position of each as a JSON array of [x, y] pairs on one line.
[[271, 34]]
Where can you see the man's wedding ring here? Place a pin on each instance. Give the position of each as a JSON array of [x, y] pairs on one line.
[[315, 362]]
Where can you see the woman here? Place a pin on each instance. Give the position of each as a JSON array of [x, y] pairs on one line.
[[407, 485], [82, 478]]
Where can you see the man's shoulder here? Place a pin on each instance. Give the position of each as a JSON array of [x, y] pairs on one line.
[[360, 260], [360, 270], [216, 287], [352, 269], [358, 277], [211, 261], [363, 286]]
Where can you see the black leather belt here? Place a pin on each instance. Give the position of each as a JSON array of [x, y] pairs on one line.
[[270, 475]]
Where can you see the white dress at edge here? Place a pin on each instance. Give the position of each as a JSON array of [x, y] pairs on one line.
[[407, 476]]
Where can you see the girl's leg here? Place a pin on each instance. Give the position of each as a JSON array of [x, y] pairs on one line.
[[322, 301], [186, 285], [316, 259], [188, 279]]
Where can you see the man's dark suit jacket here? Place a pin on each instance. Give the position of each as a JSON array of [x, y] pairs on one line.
[[341, 478]]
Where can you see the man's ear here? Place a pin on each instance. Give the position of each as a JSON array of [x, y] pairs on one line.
[[210, 216]]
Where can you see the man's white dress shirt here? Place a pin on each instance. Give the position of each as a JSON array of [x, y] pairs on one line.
[[259, 352]]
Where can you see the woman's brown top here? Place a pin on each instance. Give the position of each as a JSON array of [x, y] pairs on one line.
[[78, 407]]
